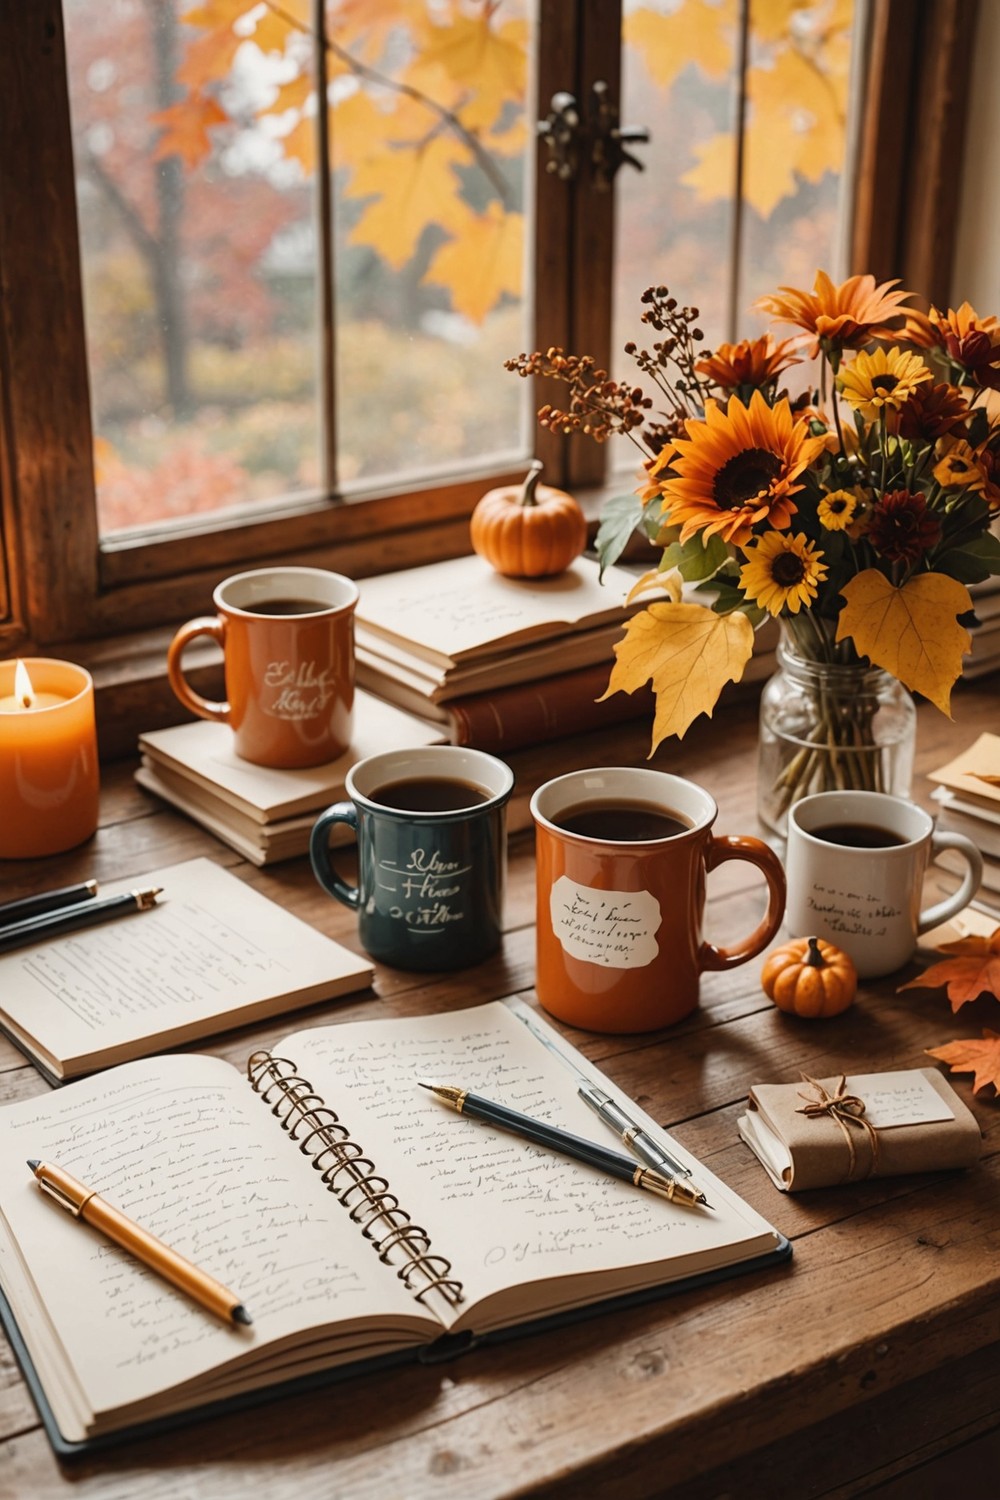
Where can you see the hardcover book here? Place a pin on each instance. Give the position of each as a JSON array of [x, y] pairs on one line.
[[359, 1222]]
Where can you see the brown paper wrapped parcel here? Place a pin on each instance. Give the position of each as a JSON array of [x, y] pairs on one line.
[[829, 1131]]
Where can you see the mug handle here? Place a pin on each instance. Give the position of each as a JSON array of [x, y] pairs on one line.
[[204, 707], [958, 900], [755, 852], [319, 852]]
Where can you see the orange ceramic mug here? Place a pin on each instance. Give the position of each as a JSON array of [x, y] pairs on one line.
[[288, 639], [621, 860]]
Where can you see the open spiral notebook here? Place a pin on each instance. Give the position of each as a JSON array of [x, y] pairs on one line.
[[359, 1223]]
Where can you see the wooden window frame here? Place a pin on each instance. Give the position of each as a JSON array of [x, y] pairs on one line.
[[61, 583]]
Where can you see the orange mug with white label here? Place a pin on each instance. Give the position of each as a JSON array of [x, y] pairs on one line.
[[621, 860], [288, 639]]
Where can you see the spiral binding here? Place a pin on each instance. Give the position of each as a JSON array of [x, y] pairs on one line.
[[347, 1173]]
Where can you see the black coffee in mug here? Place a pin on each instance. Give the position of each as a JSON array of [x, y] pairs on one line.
[[859, 836], [287, 607], [621, 822], [430, 794]]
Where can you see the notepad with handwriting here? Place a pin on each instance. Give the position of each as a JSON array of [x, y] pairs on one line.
[[358, 1221], [212, 954]]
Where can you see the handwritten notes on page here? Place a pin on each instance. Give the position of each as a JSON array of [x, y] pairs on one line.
[[212, 954]]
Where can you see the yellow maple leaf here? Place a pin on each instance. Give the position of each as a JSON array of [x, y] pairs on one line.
[[912, 632], [357, 129], [413, 187], [300, 144], [185, 126], [771, 20], [276, 24], [689, 653], [209, 57], [481, 262], [475, 53], [215, 13], [697, 32], [294, 94], [797, 96]]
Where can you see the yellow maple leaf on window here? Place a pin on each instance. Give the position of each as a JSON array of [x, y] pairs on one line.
[[698, 32], [413, 187], [689, 653], [481, 262], [490, 60], [911, 632]]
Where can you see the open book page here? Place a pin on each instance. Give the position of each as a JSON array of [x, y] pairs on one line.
[[184, 1147], [451, 611], [527, 1231], [212, 953]]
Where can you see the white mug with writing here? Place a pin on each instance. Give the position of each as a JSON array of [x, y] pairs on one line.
[[855, 867]]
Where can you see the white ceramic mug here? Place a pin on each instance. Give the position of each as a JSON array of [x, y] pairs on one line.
[[866, 900]]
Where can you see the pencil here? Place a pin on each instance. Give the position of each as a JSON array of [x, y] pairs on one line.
[[73, 918]]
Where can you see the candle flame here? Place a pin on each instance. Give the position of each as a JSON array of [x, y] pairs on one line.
[[23, 690]]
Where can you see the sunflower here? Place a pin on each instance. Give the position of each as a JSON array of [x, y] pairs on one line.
[[836, 510], [737, 468], [902, 527], [753, 362], [839, 317], [882, 382], [782, 572]]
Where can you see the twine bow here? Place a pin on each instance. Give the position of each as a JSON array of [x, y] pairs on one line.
[[848, 1110]]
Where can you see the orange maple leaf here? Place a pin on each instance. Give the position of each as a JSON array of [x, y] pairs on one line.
[[981, 1058], [185, 129], [974, 970]]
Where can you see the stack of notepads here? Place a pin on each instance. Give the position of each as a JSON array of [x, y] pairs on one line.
[[500, 662], [265, 814], [969, 795]]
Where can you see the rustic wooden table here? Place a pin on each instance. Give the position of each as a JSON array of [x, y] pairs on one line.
[[851, 1370]]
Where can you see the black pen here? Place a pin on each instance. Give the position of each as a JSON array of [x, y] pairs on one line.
[[84, 914], [543, 1134], [45, 901]]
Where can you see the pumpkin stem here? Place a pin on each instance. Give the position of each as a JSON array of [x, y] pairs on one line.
[[527, 496], [814, 957]]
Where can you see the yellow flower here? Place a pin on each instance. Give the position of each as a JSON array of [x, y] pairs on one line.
[[836, 510], [782, 572], [959, 468], [840, 317], [882, 381], [738, 468]]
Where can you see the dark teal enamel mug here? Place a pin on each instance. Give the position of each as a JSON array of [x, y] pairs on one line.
[[432, 854]]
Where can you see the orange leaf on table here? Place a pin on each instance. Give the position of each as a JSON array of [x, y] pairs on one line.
[[912, 632], [689, 653], [973, 1056], [973, 970]]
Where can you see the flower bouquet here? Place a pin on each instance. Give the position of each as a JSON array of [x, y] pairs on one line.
[[857, 514]]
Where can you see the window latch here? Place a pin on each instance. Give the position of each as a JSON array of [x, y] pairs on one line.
[[598, 141]]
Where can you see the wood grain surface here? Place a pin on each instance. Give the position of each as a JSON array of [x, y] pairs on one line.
[[851, 1371]]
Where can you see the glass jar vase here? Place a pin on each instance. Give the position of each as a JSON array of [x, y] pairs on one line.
[[827, 726]]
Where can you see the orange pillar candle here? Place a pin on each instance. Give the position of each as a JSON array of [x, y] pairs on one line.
[[48, 757]]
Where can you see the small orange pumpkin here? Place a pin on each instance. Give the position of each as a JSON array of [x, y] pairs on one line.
[[529, 530], [808, 977]]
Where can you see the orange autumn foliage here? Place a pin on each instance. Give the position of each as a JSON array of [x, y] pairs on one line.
[[981, 1058], [973, 970]]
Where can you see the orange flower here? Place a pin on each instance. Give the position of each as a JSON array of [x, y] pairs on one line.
[[971, 341], [988, 458], [932, 411], [737, 468], [754, 362], [839, 317]]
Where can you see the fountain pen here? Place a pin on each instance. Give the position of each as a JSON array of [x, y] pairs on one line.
[[543, 1134]]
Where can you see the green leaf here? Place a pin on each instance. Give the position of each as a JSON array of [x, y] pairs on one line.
[[619, 518], [974, 562], [696, 560]]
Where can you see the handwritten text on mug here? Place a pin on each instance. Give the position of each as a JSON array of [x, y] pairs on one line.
[[615, 929]]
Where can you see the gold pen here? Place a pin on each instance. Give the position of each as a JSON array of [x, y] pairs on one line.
[[83, 1203]]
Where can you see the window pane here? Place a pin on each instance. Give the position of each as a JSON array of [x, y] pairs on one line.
[[433, 153], [196, 129], [676, 221], [199, 257]]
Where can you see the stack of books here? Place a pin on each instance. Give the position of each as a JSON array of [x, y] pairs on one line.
[[500, 663], [265, 814], [969, 796], [985, 655]]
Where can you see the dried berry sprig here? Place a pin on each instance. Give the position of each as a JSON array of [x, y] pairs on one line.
[[598, 406]]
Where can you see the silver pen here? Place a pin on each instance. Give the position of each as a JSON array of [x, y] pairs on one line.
[[631, 1132]]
